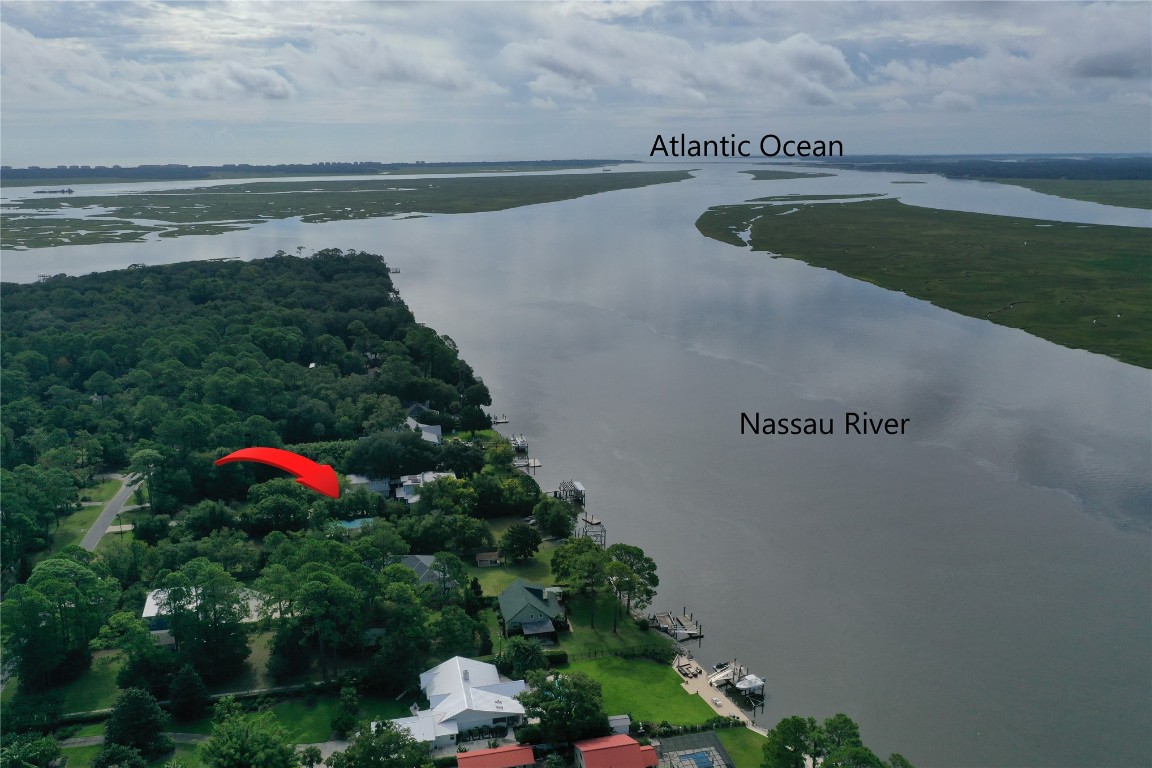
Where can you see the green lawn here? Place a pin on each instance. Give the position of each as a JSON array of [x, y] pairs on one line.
[[537, 570], [745, 747], [309, 720], [584, 639], [375, 708], [491, 619], [82, 757], [96, 688], [73, 527], [102, 492], [10, 689], [644, 689], [102, 545], [255, 675], [487, 436]]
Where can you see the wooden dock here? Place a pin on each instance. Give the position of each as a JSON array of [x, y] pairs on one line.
[[526, 464], [682, 627]]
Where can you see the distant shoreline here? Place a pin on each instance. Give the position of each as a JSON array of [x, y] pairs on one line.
[[101, 174]]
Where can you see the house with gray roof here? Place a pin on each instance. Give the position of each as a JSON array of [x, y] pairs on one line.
[[423, 566], [531, 609]]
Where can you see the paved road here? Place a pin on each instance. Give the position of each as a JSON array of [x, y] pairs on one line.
[[111, 509]]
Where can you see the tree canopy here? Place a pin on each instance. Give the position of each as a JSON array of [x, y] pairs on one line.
[[834, 743], [569, 704], [382, 745], [242, 740]]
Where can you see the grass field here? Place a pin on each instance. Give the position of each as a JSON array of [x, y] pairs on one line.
[[1125, 193], [537, 570], [1081, 286], [586, 639], [310, 721], [187, 754], [745, 747], [96, 688], [254, 676], [644, 689], [209, 210], [73, 527], [104, 491]]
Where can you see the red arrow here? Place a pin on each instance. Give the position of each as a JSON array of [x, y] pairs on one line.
[[319, 477]]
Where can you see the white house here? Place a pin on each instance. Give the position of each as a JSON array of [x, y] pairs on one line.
[[409, 489], [381, 486], [156, 604], [463, 694]]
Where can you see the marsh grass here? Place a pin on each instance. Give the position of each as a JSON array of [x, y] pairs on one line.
[[1126, 193], [216, 209], [1081, 286]]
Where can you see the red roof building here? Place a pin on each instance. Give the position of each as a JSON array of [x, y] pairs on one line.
[[501, 757], [614, 752]]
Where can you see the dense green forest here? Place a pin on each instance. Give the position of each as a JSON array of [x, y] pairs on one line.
[[158, 371], [175, 365]]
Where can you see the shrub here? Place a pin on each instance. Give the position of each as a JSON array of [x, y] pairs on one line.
[[665, 654], [556, 658], [33, 712], [529, 734]]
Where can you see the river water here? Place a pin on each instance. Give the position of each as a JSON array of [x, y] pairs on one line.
[[975, 592]]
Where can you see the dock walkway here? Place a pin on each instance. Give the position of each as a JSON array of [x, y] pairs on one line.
[[698, 683]]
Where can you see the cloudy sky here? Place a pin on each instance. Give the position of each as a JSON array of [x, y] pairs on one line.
[[267, 82]]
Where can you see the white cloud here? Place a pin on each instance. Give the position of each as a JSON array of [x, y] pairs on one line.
[[950, 101], [616, 69], [232, 80]]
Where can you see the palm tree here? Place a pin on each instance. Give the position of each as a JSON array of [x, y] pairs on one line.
[[524, 654]]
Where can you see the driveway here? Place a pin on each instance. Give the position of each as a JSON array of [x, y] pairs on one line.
[[111, 509]]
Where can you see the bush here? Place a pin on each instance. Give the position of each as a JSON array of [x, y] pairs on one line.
[[665, 654], [556, 658], [445, 761], [119, 756], [529, 734], [644, 624], [33, 712]]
